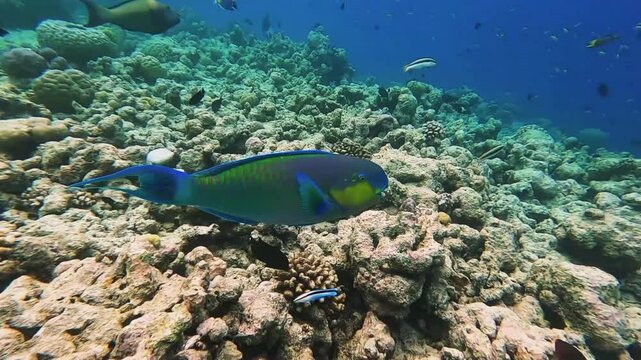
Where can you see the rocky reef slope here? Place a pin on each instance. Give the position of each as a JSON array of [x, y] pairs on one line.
[[493, 240]]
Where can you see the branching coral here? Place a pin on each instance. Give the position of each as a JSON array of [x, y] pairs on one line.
[[307, 273]]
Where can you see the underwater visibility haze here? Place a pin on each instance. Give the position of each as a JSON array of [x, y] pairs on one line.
[[320, 179]]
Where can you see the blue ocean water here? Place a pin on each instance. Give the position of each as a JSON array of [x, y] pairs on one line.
[[504, 50]]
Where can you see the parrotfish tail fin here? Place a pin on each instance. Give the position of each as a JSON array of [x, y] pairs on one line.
[[97, 13], [312, 197], [155, 183]]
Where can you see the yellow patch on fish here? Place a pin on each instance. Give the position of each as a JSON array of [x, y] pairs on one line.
[[357, 194]]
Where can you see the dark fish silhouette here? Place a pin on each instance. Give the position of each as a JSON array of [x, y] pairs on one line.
[[227, 4], [531, 97], [565, 351], [477, 25], [382, 92], [197, 97], [266, 24], [603, 90], [377, 27], [270, 255], [343, 5], [249, 22], [216, 104], [3, 32], [148, 16]]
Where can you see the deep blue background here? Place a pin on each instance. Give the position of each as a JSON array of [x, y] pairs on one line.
[[510, 55]]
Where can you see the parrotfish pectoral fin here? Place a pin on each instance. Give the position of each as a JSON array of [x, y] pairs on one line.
[[227, 216], [312, 197]]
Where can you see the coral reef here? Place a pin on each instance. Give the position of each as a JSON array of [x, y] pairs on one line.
[[492, 240]]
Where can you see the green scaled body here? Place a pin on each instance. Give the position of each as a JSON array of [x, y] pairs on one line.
[[288, 188]]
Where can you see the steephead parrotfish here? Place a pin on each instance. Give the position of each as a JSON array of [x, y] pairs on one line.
[[148, 16], [287, 188]]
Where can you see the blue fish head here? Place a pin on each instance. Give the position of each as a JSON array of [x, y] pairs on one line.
[[361, 187]]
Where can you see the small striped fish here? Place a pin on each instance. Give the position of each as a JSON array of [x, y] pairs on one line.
[[316, 295], [419, 63]]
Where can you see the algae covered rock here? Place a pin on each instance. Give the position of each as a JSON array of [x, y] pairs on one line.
[[58, 89], [78, 43], [584, 297]]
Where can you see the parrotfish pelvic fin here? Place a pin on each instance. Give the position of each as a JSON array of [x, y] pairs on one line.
[[227, 216], [156, 183], [312, 197]]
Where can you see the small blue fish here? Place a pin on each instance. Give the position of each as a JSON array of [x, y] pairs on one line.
[[316, 295], [287, 188]]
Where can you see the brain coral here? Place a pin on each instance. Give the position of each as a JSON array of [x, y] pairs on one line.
[[57, 89], [78, 43], [23, 63]]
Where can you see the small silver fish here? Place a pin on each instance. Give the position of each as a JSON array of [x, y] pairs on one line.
[[316, 295], [420, 63]]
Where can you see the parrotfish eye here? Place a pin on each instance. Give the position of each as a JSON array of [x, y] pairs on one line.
[[360, 177]]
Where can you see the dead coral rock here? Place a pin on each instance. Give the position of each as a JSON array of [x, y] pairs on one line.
[[9, 340], [372, 342], [488, 333], [21, 136], [61, 323], [72, 159], [298, 340], [468, 207], [229, 351], [43, 244], [215, 329], [263, 317], [585, 298], [153, 335], [392, 255], [610, 240], [12, 178], [13, 105]]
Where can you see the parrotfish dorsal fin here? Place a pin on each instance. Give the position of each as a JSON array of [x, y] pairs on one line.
[[121, 4], [312, 197], [231, 164]]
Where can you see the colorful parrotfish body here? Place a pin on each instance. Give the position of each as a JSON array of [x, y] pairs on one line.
[[287, 188]]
